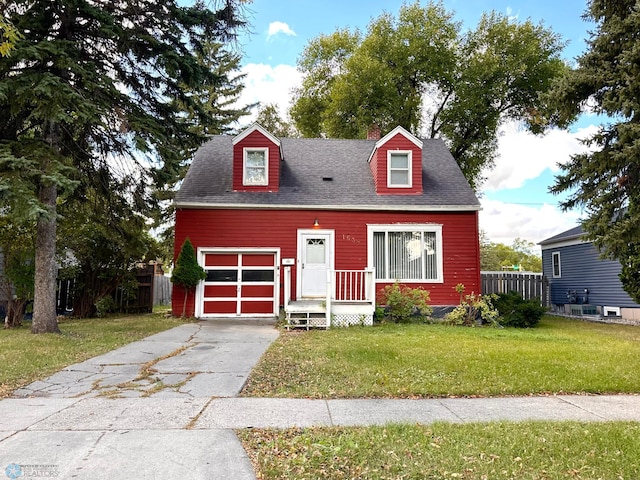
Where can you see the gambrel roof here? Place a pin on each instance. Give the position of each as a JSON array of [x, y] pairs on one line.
[[327, 174]]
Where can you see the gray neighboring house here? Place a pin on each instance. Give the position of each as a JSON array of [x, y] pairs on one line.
[[583, 284]]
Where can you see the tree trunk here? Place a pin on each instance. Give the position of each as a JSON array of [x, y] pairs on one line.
[[184, 304], [15, 312], [44, 300]]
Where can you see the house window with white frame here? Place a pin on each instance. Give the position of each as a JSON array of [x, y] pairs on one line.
[[555, 262], [406, 253], [255, 166], [398, 169]]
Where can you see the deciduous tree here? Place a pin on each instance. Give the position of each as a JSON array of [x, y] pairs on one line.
[[8, 37], [420, 71], [605, 181], [497, 256], [17, 258], [102, 235], [270, 119]]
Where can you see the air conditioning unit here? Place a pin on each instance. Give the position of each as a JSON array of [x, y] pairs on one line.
[[582, 309], [611, 311]]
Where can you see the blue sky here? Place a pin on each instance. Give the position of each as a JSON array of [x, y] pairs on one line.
[[515, 197]]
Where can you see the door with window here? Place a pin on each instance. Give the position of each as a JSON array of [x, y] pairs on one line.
[[315, 256]]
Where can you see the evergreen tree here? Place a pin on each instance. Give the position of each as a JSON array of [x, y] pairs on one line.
[[219, 100], [98, 86], [605, 182], [187, 272]]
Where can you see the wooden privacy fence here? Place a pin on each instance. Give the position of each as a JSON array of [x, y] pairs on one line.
[[153, 288], [161, 290], [529, 285]]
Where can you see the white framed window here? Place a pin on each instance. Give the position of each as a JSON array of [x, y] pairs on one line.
[[406, 252], [255, 170], [399, 169], [555, 263]]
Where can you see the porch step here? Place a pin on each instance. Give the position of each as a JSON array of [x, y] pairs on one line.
[[306, 314]]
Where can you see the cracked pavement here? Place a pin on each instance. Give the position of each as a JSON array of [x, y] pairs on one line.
[[167, 407], [189, 361]]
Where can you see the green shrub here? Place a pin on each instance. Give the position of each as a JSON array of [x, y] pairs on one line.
[[472, 310], [187, 273], [105, 305], [517, 312], [404, 304]]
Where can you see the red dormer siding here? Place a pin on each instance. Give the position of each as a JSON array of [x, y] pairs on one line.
[[402, 142], [256, 138]]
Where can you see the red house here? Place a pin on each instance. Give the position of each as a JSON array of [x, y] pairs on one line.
[[320, 226]]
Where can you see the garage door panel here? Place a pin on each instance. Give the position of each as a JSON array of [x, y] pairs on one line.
[[260, 291], [267, 276], [220, 291], [224, 307], [258, 260], [253, 307], [221, 260]]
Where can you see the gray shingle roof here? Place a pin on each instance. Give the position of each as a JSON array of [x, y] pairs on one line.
[[572, 233], [307, 161]]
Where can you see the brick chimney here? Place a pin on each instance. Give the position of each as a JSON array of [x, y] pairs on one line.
[[373, 133]]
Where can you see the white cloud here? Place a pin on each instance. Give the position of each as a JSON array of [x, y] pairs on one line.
[[269, 84], [511, 15], [503, 222], [279, 27], [524, 156]]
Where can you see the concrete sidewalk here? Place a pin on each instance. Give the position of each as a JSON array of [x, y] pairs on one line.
[[179, 421]]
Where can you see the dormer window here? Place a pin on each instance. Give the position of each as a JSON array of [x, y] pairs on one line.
[[255, 166], [399, 169]]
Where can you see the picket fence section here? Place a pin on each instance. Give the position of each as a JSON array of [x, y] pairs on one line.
[[529, 285]]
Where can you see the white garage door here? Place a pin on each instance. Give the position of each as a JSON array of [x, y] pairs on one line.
[[240, 284]]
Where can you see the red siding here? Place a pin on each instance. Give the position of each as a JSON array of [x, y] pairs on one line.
[[379, 166], [256, 140], [278, 228]]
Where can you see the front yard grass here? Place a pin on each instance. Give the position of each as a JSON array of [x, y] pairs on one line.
[[416, 360], [25, 357], [533, 450]]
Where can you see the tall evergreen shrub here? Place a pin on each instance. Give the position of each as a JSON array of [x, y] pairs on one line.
[[187, 273]]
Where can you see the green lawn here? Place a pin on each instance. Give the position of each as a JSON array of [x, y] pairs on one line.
[[25, 357], [495, 451], [418, 360], [434, 360]]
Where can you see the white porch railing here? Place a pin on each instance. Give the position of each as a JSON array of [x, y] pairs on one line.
[[352, 285], [287, 285], [350, 296]]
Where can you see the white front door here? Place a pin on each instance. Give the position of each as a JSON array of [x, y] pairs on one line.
[[315, 254]]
